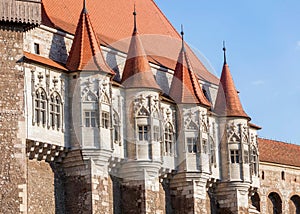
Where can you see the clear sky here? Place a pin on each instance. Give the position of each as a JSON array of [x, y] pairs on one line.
[[263, 52]]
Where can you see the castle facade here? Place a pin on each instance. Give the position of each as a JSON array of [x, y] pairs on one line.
[[103, 111]]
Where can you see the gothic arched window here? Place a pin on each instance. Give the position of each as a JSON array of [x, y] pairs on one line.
[[55, 111], [40, 106], [169, 139], [254, 162]]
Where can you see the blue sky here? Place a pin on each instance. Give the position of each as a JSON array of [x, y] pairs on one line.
[[263, 52]]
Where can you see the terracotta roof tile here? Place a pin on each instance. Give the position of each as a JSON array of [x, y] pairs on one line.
[[85, 52], [185, 87], [278, 152], [44, 61], [137, 71], [112, 23], [228, 102]]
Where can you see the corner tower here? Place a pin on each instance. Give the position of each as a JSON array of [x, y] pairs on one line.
[[143, 128], [193, 138], [86, 165], [237, 143]]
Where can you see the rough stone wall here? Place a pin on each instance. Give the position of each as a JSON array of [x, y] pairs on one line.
[[45, 192], [285, 186], [102, 194], [78, 188], [133, 197], [182, 197], [155, 201], [12, 139]]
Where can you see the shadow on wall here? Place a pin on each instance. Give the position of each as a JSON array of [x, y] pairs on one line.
[[162, 79], [58, 50], [111, 60], [59, 191]]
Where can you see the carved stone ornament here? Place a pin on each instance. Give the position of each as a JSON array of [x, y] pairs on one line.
[[233, 133]]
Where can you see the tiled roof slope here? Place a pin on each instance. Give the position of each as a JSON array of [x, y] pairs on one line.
[[85, 52], [137, 71], [228, 102], [43, 61], [111, 20], [185, 87], [279, 152]]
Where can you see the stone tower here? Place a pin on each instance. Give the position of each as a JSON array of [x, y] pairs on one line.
[[17, 17], [237, 166], [86, 166], [140, 171], [193, 168]]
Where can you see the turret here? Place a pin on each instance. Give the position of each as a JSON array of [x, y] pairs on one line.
[[193, 138], [90, 89], [234, 129], [193, 106], [142, 103]]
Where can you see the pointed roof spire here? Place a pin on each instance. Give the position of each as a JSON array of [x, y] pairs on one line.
[[137, 71], [134, 15], [182, 39], [185, 87], [85, 52], [84, 7], [224, 49], [228, 103]]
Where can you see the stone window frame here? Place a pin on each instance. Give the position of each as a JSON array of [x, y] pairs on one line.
[[254, 162], [105, 119], [90, 118], [169, 146], [116, 128], [55, 111], [235, 156], [192, 144], [143, 132], [40, 103]]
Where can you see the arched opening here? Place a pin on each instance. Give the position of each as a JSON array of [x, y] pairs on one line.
[[255, 200], [294, 204], [274, 203]]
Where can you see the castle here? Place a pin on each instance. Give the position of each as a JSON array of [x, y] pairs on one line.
[[105, 112]]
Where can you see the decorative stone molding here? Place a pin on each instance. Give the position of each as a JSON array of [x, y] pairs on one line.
[[45, 151]]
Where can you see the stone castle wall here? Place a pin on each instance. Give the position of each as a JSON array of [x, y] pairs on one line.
[[12, 130], [282, 180]]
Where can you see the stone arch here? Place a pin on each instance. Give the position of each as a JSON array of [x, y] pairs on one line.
[[255, 201], [294, 204], [274, 203]]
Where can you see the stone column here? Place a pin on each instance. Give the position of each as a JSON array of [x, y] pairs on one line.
[[188, 193], [141, 190], [88, 187]]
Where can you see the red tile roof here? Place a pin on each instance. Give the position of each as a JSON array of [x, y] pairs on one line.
[[278, 152], [137, 71], [228, 102], [185, 87], [112, 22], [85, 52], [44, 61]]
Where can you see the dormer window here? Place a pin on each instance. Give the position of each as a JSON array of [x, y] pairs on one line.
[[36, 47]]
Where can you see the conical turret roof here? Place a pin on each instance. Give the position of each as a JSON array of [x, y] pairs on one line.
[[185, 88], [85, 52], [137, 71], [228, 102]]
